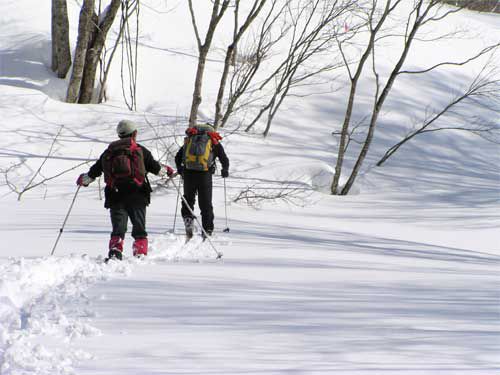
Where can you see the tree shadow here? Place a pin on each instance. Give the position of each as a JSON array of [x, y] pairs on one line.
[[28, 66]]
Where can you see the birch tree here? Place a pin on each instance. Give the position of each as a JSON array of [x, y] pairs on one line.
[[421, 13], [92, 32], [230, 56], [218, 10], [84, 33], [94, 49], [310, 36], [251, 54], [374, 26], [61, 53]]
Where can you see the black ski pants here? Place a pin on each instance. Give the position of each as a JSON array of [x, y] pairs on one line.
[[119, 219], [199, 183]]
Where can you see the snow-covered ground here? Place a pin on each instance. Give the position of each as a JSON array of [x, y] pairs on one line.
[[401, 277]]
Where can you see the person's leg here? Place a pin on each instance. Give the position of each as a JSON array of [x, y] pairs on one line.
[[205, 202], [138, 218], [119, 220], [190, 187]]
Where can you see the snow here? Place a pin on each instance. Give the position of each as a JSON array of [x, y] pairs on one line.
[[400, 277]]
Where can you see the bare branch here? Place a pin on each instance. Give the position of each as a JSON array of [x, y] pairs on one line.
[[448, 63], [195, 26], [481, 86]]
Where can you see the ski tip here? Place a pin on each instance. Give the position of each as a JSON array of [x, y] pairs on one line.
[[219, 255]]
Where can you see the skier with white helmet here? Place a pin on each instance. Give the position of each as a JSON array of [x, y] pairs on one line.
[[125, 165]]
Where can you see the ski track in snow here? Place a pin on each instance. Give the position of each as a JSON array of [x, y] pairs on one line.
[[43, 301]]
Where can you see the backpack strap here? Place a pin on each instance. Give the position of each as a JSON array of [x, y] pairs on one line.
[[138, 171]]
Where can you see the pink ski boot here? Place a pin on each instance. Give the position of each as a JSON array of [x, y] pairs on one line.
[[140, 247]]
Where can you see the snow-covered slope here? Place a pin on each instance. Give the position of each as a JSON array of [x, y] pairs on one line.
[[400, 277]]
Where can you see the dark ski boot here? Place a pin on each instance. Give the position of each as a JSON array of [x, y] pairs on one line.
[[189, 225], [115, 248], [208, 233], [113, 254]]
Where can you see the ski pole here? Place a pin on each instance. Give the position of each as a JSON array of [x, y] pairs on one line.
[[219, 254], [176, 207], [226, 230], [65, 220]]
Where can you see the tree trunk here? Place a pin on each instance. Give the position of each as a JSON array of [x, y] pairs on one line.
[[385, 93], [102, 91], [203, 50], [222, 86], [363, 153], [343, 139], [230, 59], [352, 95], [54, 34], [61, 54], [197, 87], [94, 51], [84, 31]]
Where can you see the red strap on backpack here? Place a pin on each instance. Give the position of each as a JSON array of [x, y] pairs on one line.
[[138, 179], [133, 145], [215, 137]]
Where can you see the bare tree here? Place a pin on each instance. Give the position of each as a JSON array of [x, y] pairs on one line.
[[374, 27], [231, 51], [129, 58], [309, 22], [84, 33], [254, 196], [92, 31], [247, 62], [483, 90], [94, 49], [129, 8], [422, 13], [481, 5], [218, 11], [61, 53]]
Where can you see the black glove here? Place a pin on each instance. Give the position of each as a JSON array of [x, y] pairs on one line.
[[180, 171], [224, 173]]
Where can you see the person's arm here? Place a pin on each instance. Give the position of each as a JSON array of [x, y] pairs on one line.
[[224, 161], [155, 167], [150, 163], [85, 179], [96, 169], [178, 160]]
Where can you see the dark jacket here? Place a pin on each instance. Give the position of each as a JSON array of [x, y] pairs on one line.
[[218, 152], [130, 196]]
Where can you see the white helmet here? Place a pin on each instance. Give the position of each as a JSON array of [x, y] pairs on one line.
[[125, 128]]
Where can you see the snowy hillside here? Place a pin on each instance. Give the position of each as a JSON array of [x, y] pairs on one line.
[[400, 277]]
